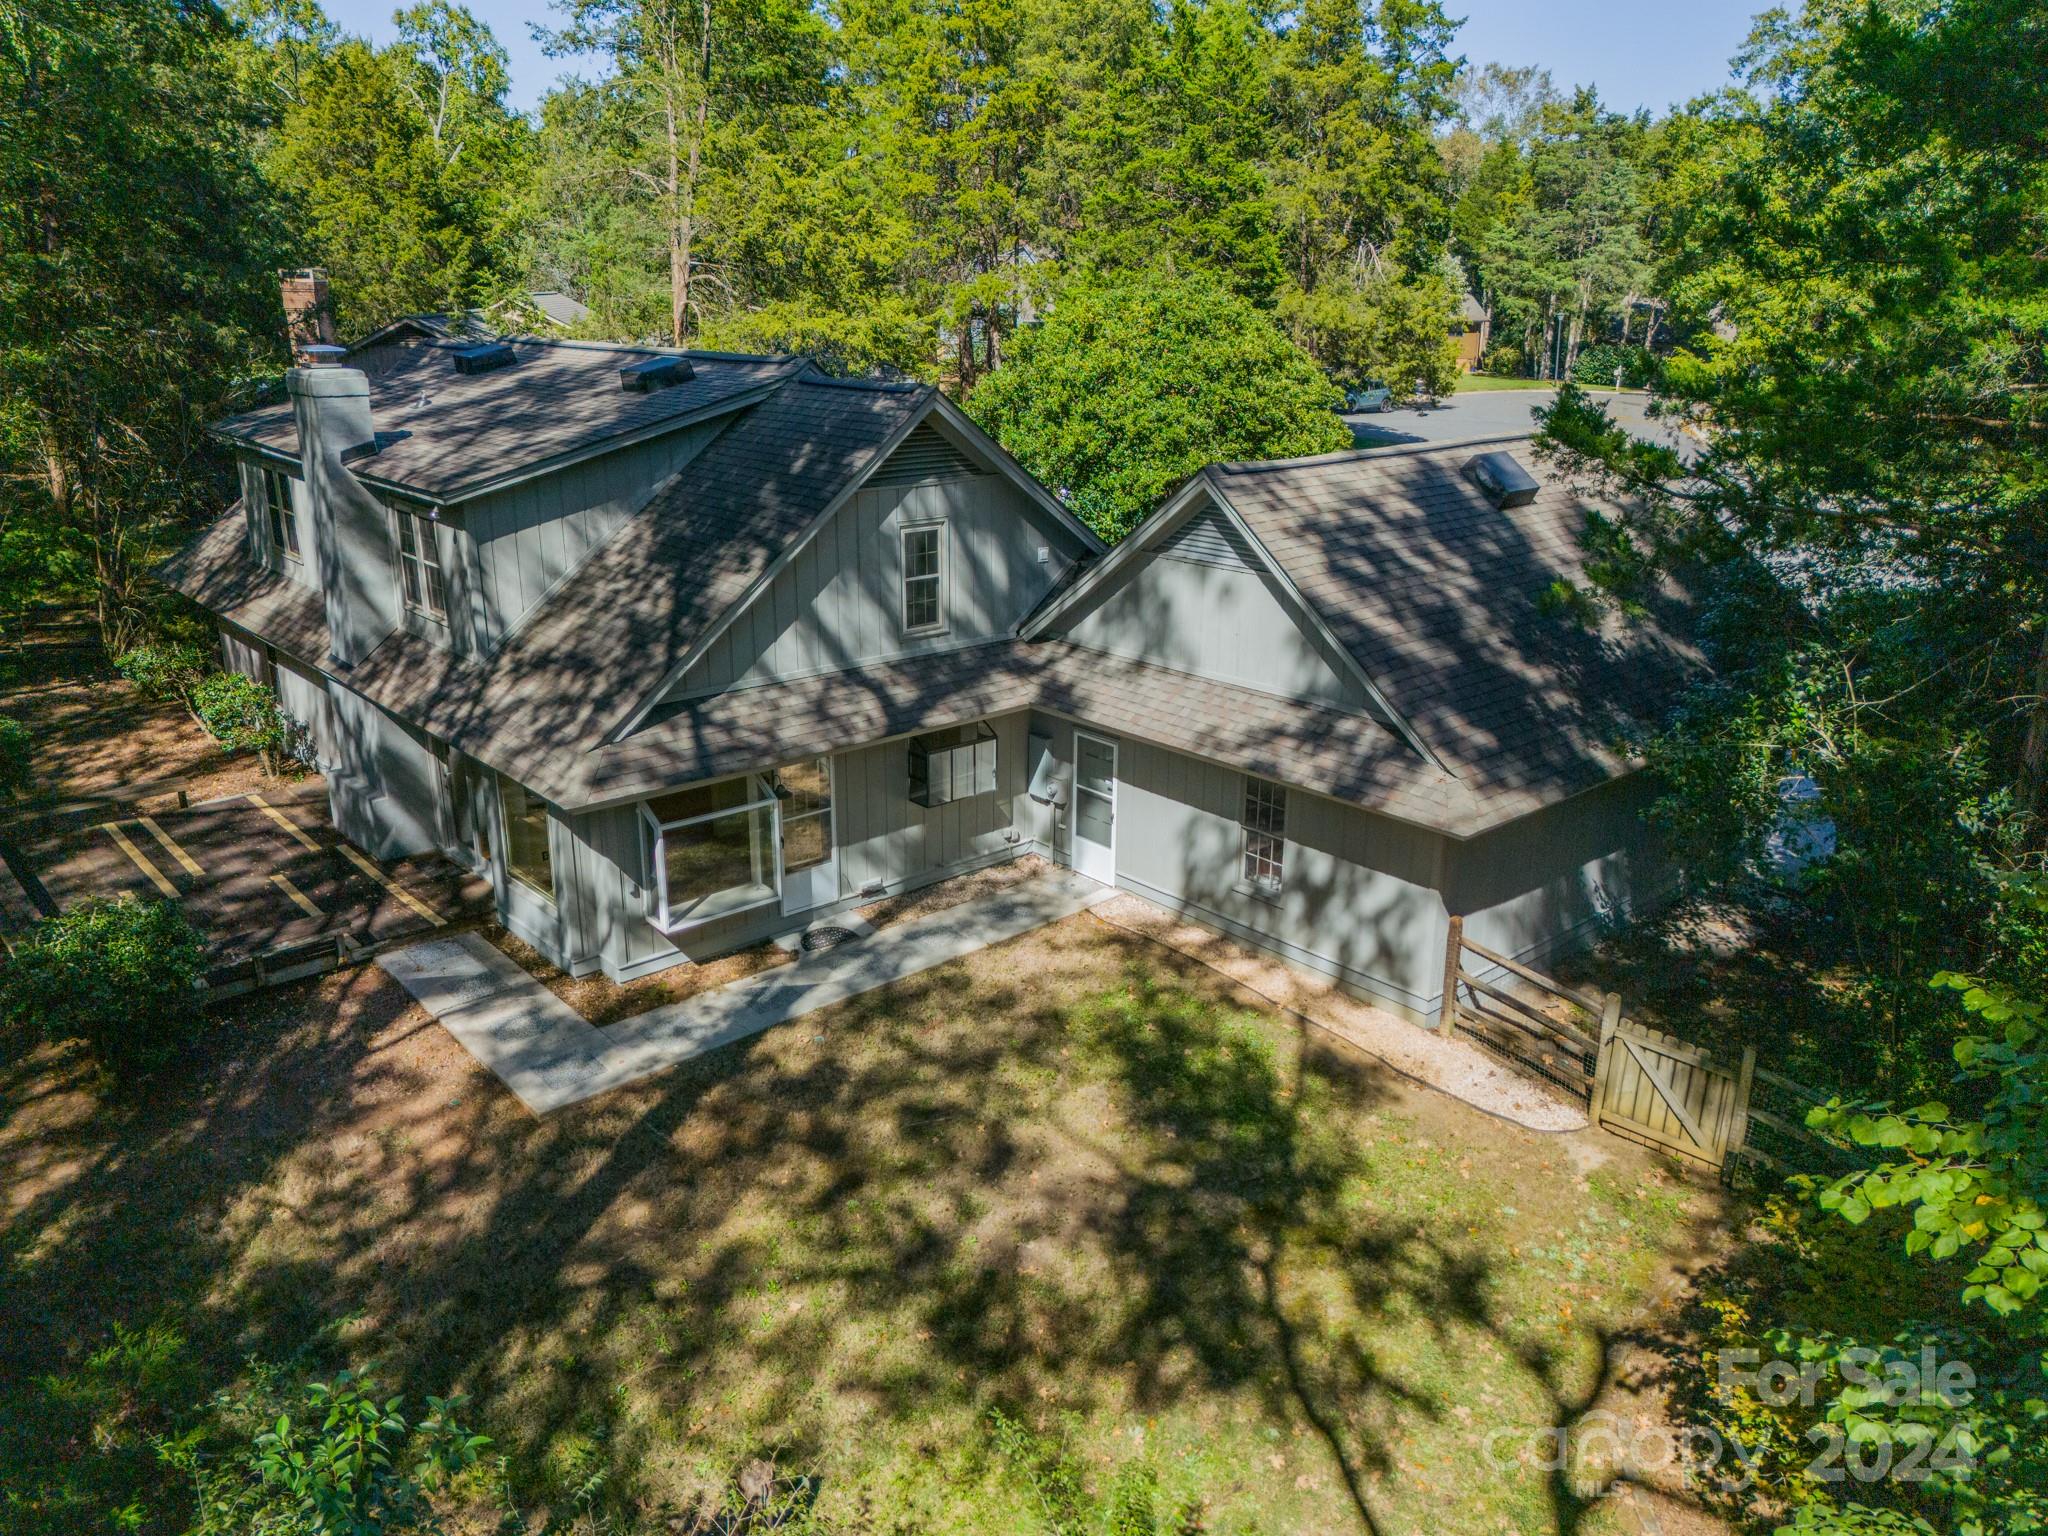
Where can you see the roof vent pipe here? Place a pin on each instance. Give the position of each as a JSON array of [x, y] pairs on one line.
[[1502, 479]]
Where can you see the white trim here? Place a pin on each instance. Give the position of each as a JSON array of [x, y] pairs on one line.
[[831, 859], [1074, 811], [904, 533], [504, 848], [662, 919]]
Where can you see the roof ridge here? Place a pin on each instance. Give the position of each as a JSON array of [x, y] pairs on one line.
[[1352, 455]]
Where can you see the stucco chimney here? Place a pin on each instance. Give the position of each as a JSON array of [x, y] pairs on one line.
[[351, 528], [308, 317]]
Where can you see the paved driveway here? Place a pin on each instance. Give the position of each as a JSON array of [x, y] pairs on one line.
[[1491, 413]]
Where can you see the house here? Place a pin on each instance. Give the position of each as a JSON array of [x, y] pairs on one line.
[[1472, 331], [684, 649]]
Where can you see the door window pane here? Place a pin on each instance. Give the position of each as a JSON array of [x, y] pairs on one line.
[[1097, 764]]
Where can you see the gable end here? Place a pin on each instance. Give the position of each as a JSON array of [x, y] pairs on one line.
[[1210, 538], [926, 455]]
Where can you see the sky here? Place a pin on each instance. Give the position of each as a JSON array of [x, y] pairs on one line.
[[1639, 54]]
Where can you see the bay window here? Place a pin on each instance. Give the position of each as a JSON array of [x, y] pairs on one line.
[[711, 852]]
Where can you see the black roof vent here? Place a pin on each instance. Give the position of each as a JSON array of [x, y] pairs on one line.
[[1502, 478], [652, 373], [484, 357]]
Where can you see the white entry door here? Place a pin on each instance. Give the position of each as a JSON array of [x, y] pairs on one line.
[[810, 858], [1094, 843]]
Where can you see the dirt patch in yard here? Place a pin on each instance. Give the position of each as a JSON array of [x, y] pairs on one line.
[[101, 736], [950, 893], [1068, 1177], [603, 1001]]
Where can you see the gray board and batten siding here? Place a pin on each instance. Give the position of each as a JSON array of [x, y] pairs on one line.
[[1364, 897], [1204, 602], [839, 602], [886, 844]]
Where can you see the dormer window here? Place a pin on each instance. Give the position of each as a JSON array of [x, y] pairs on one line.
[[277, 508], [419, 566]]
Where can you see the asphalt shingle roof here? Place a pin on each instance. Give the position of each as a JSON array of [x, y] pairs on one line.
[[442, 433], [1435, 593]]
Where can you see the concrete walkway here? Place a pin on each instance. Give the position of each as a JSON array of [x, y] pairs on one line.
[[549, 1056]]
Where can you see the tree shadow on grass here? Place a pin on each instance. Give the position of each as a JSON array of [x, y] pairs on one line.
[[1059, 1175]]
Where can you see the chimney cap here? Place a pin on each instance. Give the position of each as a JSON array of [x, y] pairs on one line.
[[322, 354]]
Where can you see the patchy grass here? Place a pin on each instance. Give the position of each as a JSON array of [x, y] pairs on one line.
[[1068, 1178]]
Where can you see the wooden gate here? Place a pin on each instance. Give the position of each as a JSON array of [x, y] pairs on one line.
[[1655, 1088], [1546, 1029]]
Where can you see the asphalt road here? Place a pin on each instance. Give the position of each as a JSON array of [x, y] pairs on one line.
[[1490, 413]]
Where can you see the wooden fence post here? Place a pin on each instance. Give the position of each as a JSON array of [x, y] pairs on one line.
[[1447, 1010], [1610, 1026], [1738, 1120]]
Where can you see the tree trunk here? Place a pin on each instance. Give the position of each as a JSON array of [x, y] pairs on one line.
[[678, 236], [2033, 785]]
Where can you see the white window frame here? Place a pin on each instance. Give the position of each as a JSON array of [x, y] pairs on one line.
[[422, 566], [1262, 857], [661, 912], [281, 519], [937, 529]]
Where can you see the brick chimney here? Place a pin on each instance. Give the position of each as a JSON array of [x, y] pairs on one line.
[[308, 317]]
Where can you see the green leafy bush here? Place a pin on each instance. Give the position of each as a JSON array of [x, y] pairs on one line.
[[351, 1465], [1132, 385], [1503, 360], [1596, 365], [165, 669], [119, 975], [16, 752], [241, 712]]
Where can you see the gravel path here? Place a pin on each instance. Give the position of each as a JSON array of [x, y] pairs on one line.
[[1455, 1067]]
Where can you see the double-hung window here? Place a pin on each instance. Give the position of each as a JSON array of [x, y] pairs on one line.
[[711, 852], [924, 578], [1265, 836], [419, 566], [277, 507]]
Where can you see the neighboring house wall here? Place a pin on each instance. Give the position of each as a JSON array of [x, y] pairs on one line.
[[839, 603], [506, 551], [1204, 604]]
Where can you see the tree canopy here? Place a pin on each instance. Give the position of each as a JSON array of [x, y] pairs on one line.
[[1129, 387]]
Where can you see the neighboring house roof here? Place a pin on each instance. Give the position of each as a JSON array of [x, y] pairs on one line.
[[443, 436], [1471, 311], [558, 306], [1433, 592]]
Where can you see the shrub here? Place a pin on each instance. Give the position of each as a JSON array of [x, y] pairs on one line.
[[1503, 360], [351, 1466], [241, 712], [164, 670], [1596, 365], [1133, 384], [119, 975], [15, 754]]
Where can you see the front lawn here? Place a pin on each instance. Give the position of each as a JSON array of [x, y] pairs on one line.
[[1069, 1179], [1472, 383]]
